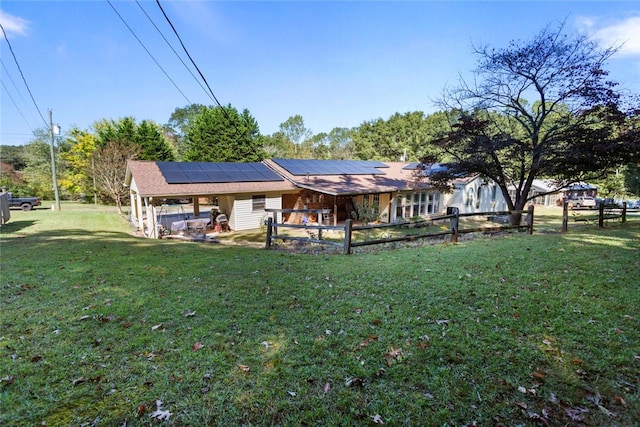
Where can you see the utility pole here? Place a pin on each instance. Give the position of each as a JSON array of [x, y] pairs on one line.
[[54, 176]]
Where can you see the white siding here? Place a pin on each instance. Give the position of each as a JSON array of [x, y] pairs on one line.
[[477, 196], [244, 218]]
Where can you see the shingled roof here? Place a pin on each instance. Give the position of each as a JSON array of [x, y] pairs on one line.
[[394, 177], [149, 181]]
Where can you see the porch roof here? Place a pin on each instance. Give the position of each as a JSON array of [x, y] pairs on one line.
[[393, 177], [150, 182]]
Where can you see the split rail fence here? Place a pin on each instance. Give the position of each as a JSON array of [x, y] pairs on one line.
[[604, 213], [449, 226]]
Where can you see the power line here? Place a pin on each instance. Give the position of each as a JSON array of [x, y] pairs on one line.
[[147, 50], [22, 75], [11, 79], [16, 105], [191, 59], [174, 51], [224, 111]]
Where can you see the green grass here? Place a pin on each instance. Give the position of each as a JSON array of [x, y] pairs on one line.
[[96, 325]]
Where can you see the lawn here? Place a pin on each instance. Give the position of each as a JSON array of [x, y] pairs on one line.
[[102, 328]]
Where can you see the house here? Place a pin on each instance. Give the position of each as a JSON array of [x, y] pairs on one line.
[[243, 190], [365, 190], [383, 191]]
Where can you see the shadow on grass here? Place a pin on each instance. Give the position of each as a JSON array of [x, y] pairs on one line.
[[14, 226]]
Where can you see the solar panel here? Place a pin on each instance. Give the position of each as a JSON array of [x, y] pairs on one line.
[[204, 172], [175, 177], [411, 166], [331, 167]]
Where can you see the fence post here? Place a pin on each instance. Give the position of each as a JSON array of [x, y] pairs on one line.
[[530, 219], [269, 231], [565, 217], [347, 236], [624, 212], [601, 216], [454, 224]]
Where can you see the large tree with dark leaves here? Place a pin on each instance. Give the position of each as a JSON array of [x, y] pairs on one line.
[[220, 134], [538, 109]]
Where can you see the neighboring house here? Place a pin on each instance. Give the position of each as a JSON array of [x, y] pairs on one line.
[[580, 189], [243, 190], [475, 194]]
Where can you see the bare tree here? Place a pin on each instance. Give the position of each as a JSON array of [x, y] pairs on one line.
[[109, 167]]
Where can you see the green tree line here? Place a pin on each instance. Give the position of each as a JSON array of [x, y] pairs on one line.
[[538, 109]]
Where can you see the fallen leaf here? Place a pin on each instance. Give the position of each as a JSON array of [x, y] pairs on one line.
[[370, 339], [327, 387], [538, 374], [85, 317], [353, 382], [188, 313], [244, 368], [159, 413], [197, 346], [142, 408], [576, 414], [577, 361], [292, 393], [606, 411], [443, 322], [377, 419], [266, 344], [522, 390], [78, 381], [522, 405], [154, 327], [10, 379]]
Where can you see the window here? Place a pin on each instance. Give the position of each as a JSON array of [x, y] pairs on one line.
[[259, 202], [470, 194], [376, 203], [417, 204]]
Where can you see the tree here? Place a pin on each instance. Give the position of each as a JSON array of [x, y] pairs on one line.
[[37, 172], [180, 120], [340, 142], [13, 155], [223, 135], [402, 137], [278, 145], [109, 169], [573, 129], [295, 131], [78, 155], [147, 136]]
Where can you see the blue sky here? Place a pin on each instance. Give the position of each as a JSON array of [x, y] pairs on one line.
[[337, 64]]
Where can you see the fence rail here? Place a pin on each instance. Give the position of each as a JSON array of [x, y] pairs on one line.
[[315, 232], [604, 213]]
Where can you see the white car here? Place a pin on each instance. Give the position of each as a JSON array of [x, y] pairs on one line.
[[582, 202]]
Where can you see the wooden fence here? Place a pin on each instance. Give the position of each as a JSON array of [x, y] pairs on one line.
[[450, 221], [604, 213]]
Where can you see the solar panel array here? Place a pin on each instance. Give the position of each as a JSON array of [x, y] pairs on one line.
[[331, 167], [201, 172]]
